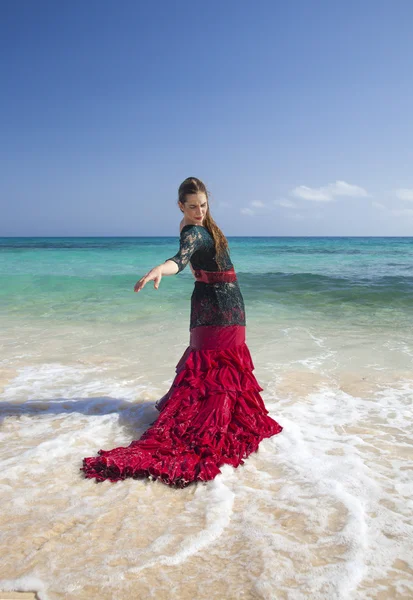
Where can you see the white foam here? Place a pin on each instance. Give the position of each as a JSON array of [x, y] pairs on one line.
[[25, 584], [61, 382], [215, 500]]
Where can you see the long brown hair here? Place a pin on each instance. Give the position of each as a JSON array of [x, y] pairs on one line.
[[193, 185]]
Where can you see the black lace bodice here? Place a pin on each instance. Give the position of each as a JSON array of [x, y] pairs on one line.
[[211, 303], [197, 247]]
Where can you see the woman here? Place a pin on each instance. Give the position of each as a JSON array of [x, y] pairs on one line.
[[213, 413]]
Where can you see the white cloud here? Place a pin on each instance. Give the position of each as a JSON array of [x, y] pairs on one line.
[[306, 193], [398, 212], [405, 194], [341, 188], [286, 203], [402, 212], [247, 211], [328, 192], [257, 203]]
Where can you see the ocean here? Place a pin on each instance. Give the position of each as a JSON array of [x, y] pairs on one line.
[[322, 511]]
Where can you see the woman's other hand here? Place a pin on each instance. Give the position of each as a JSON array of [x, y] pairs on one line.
[[154, 275]]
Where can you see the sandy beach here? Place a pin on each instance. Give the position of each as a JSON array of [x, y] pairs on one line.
[[320, 511]]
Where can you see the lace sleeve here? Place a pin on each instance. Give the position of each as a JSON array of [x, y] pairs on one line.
[[190, 241]]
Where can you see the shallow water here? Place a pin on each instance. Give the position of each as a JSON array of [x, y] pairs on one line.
[[322, 510]]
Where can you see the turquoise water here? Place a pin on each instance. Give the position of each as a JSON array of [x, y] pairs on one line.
[[92, 279]]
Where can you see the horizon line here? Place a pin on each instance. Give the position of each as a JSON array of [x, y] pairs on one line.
[[175, 235]]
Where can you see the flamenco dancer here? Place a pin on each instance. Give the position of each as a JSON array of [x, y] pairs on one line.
[[213, 414]]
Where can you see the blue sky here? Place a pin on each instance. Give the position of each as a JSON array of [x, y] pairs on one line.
[[297, 115]]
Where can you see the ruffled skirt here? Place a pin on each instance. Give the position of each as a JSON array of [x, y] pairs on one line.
[[212, 415]]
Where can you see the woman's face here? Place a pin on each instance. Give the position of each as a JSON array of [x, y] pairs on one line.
[[195, 208]]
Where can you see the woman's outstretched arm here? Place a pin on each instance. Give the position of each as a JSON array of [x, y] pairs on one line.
[[190, 241]]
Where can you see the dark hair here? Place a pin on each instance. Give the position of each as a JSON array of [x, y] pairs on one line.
[[193, 185]]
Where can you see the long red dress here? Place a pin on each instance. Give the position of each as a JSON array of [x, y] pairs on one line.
[[213, 413]]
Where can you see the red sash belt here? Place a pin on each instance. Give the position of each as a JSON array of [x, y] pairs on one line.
[[215, 276]]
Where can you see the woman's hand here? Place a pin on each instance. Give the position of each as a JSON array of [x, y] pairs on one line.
[[154, 274]]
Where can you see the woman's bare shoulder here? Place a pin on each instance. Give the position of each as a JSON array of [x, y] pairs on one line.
[[188, 226]]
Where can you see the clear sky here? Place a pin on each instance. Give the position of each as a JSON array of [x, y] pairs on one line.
[[298, 115]]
